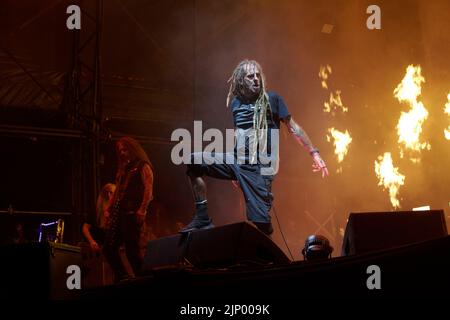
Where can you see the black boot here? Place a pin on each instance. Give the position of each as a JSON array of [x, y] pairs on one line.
[[201, 219]]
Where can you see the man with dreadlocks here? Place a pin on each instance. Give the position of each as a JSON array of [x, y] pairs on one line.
[[257, 114]]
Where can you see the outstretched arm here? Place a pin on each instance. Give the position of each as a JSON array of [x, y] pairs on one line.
[[303, 139]]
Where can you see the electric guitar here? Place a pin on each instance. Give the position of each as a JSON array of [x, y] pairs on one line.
[[112, 227]]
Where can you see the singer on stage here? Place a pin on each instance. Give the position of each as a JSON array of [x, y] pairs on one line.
[[256, 112]]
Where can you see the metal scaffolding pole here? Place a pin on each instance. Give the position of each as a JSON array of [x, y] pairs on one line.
[[85, 99], [97, 105]]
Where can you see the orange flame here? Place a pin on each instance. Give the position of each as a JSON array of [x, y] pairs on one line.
[[409, 126], [341, 142], [447, 111], [389, 177], [334, 103], [323, 74]]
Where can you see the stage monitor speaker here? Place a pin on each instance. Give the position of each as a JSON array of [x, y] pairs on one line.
[[37, 271], [224, 246], [61, 257], [372, 231]]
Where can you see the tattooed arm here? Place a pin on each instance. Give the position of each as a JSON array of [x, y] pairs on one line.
[[299, 134], [303, 139]]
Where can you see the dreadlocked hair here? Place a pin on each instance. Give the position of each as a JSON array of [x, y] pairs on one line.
[[262, 104]]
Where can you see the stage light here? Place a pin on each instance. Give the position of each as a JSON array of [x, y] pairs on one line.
[[52, 231], [317, 247]]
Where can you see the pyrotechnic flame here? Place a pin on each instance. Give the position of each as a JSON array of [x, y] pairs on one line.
[[447, 111], [389, 177], [409, 126], [341, 142], [323, 74], [334, 103]]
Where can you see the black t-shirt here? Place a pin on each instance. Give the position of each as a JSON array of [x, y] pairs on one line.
[[243, 112], [243, 121]]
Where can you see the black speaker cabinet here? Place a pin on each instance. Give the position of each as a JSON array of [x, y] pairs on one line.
[[224, 246], [37, 271], [371, 231]]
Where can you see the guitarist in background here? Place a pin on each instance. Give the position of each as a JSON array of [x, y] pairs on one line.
[[128, 207], [94, 227]]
